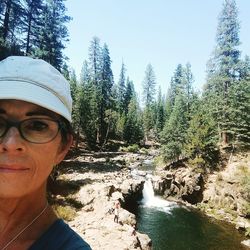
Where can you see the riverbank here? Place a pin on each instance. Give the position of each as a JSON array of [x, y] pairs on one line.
[[84, 194], [222, 194], [89, 183]]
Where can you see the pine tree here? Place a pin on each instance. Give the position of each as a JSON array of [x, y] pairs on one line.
[[88, 110], [74, 90], [10, 21], [239, 100], [31, 23], [133, 129], [149, 84], [177, 85], [85, 74], [188, 88], [53, 34], [160, 113], [95, 60], [201, 138], [129, 94], [122, 89], [224, 67], [106, 90], [173, 136], [95, 69]]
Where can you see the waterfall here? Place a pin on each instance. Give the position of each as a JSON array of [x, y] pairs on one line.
[[148, 193], [150, 200]]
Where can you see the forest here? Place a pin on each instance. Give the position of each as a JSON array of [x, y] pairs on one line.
[[186, 124]]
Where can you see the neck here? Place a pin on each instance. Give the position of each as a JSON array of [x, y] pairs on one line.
[[17, 213]]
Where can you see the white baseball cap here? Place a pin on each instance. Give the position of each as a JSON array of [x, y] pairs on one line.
[[36, 81]]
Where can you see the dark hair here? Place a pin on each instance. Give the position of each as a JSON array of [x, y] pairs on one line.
[[66, 130]]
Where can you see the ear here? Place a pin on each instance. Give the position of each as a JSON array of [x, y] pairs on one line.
[[63, 150]]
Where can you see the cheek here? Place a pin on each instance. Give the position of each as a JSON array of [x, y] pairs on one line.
[[44, 160], [40, 160]]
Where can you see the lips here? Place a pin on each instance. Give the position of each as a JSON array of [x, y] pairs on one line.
[[12, 168]]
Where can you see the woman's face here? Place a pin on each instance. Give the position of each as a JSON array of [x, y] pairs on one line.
[[25, 166]]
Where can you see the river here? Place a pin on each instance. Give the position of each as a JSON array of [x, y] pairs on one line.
[[175, 227]]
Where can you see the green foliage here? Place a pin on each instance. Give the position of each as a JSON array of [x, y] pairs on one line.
[[120, 125], [35, 28], [149, 83], [224, 69], [160, 113], [247, 233], [122, 89], [65, 212], [133, 130], [171, 151], [173, 136], [134, 148], [144, 151], [148, 120], [243, 172], [239, 123], [201, 138], [149, 86]]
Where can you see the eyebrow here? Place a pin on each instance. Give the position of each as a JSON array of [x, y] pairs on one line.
[[38, 112]]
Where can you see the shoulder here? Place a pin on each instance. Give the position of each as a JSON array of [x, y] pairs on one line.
[[60, 237]]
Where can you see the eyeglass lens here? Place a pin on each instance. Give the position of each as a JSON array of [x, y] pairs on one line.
[[36, 130]]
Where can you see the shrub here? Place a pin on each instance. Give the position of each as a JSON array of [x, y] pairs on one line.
[[134, 148], [247, 233], [65, 212]]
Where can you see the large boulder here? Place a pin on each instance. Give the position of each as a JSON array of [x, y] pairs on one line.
[[181, 184]]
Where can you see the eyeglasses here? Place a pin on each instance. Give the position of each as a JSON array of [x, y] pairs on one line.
[[35, 130]]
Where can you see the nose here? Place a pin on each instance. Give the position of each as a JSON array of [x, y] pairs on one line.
[[12, 141]]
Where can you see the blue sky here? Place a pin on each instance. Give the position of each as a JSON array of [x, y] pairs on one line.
[[161, 32]]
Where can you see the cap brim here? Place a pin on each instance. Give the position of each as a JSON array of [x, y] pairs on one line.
[[28, 92]]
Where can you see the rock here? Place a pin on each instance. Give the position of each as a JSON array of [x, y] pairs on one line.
[[145, 242], [246, 243], [126, 217], [95, 221]]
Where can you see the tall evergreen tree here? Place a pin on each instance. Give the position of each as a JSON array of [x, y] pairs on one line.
[[173, 136], [107, 76], [201, 138], [129, 94], [53, 34], [239, 124], [149, 84], [85, 74], [160, 113], [188, 81], [31, 23], [10, 21], [106, 90], [95, 60], [133, 129], [224, 67], [122, 88], [177, 85], [95, 87]]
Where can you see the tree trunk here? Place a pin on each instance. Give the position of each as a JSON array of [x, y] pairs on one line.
[[77, 137], [28, 35], [224, 137], [6, 20]]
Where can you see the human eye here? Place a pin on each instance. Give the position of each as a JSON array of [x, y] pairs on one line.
[[2, 124], [36, 125]]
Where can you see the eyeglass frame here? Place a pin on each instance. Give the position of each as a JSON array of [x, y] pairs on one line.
[[17, 125]]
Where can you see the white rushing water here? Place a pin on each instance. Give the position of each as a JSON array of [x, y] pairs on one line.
[[150, 200]]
